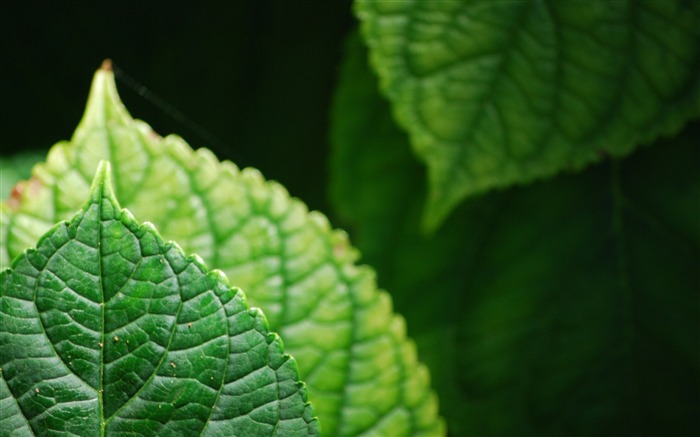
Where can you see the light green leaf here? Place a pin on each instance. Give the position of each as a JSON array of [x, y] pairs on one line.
[[501, 92], [567, 308], [351, 349], [108, 330]]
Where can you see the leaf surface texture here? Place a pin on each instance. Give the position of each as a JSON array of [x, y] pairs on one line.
[[351, 349], [108, 330], [497, 93]]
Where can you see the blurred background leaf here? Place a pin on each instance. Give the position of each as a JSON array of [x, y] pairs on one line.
[[15, 168], [566, 307], [498, 93]]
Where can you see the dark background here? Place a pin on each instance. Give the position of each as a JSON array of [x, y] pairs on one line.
[[254, 79]]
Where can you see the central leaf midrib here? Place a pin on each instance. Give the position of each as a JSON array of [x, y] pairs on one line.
[[105, 422], [160, 362], [100, 390], [483, 101]]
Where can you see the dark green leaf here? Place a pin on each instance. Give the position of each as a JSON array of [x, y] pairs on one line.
[[108, 330], [568, 307], [500, 92], [12, 422]]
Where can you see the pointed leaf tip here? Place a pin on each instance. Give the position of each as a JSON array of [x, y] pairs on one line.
[[133, 283], [437, 209], [104, 105], [101, 187]]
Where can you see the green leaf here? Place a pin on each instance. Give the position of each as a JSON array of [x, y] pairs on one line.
[[504, 92], [14, 168], [108, 330], [567, 307], [351, 349], [11, 420]]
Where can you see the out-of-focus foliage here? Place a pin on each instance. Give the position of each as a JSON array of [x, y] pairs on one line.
[[14, 168], [565, 307], [496, 93]]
